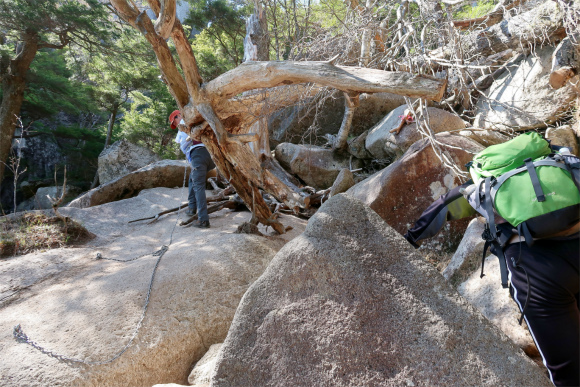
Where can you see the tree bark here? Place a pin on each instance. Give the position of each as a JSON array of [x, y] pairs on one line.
[[254, 75], [112, 119], [13, 86], [256, 40], [256, 48], [367, 35]]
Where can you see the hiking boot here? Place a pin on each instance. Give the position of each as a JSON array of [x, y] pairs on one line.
[[204, 224], [190, 212]]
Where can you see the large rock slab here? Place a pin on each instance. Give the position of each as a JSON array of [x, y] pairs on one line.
[[485, 137], [521, 98], [467, 257], [165, 173], [75, 305], [121, 158], [381, 143], [204, 369], [357, 147], [487, 295], [343, 182], [350, 303], [317, 167], [402, 191], [372, 109]]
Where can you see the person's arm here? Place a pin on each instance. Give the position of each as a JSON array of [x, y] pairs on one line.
[[450, 206], [183, 140]]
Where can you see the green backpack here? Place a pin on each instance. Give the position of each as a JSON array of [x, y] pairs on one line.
[[527, 183], [523, 182]]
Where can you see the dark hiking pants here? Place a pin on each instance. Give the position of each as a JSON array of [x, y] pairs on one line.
[[552, 313], [201, 162]]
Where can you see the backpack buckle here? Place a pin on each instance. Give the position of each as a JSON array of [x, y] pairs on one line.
[[486, 235]]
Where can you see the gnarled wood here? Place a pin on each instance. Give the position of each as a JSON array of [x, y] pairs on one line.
[[254, 75], [166, 18]]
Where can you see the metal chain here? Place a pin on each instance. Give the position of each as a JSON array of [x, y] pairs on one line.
[[155, 254], [22, 337]]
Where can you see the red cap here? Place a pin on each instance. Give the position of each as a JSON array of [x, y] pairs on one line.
[[172, 117]]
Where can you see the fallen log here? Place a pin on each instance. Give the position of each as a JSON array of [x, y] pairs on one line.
[[492, 18], [254, 75], [542, 24]]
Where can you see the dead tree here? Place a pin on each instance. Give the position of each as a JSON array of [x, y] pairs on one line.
[[209, 109], [542, 24], [492, 18]]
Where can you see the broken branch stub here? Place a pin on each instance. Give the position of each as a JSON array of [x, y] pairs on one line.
[[165, 18], [351, 102]]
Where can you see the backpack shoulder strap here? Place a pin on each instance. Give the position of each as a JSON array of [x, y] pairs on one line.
[[497, 245], [488, 204], [531, 167], [572, 164]]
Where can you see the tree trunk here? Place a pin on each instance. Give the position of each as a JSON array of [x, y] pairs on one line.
[[112, 119], [351, 102], [13, 86], [367, 35], [256, 49], [227, 140], [255, 75], [257, 39]]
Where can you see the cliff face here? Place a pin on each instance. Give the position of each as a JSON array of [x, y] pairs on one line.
[[42, 151]]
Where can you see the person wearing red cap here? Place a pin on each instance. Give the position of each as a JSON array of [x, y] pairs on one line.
[[199, 158]]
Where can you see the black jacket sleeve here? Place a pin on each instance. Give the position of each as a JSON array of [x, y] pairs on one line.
[[450, 206]]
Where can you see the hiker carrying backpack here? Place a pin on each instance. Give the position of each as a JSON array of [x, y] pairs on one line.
[[529, 194]]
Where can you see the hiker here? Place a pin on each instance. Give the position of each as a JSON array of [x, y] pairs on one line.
[[539, 259], [199, 158]]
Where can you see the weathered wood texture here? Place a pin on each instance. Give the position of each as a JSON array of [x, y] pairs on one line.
[[254, 75], [351, 102]]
